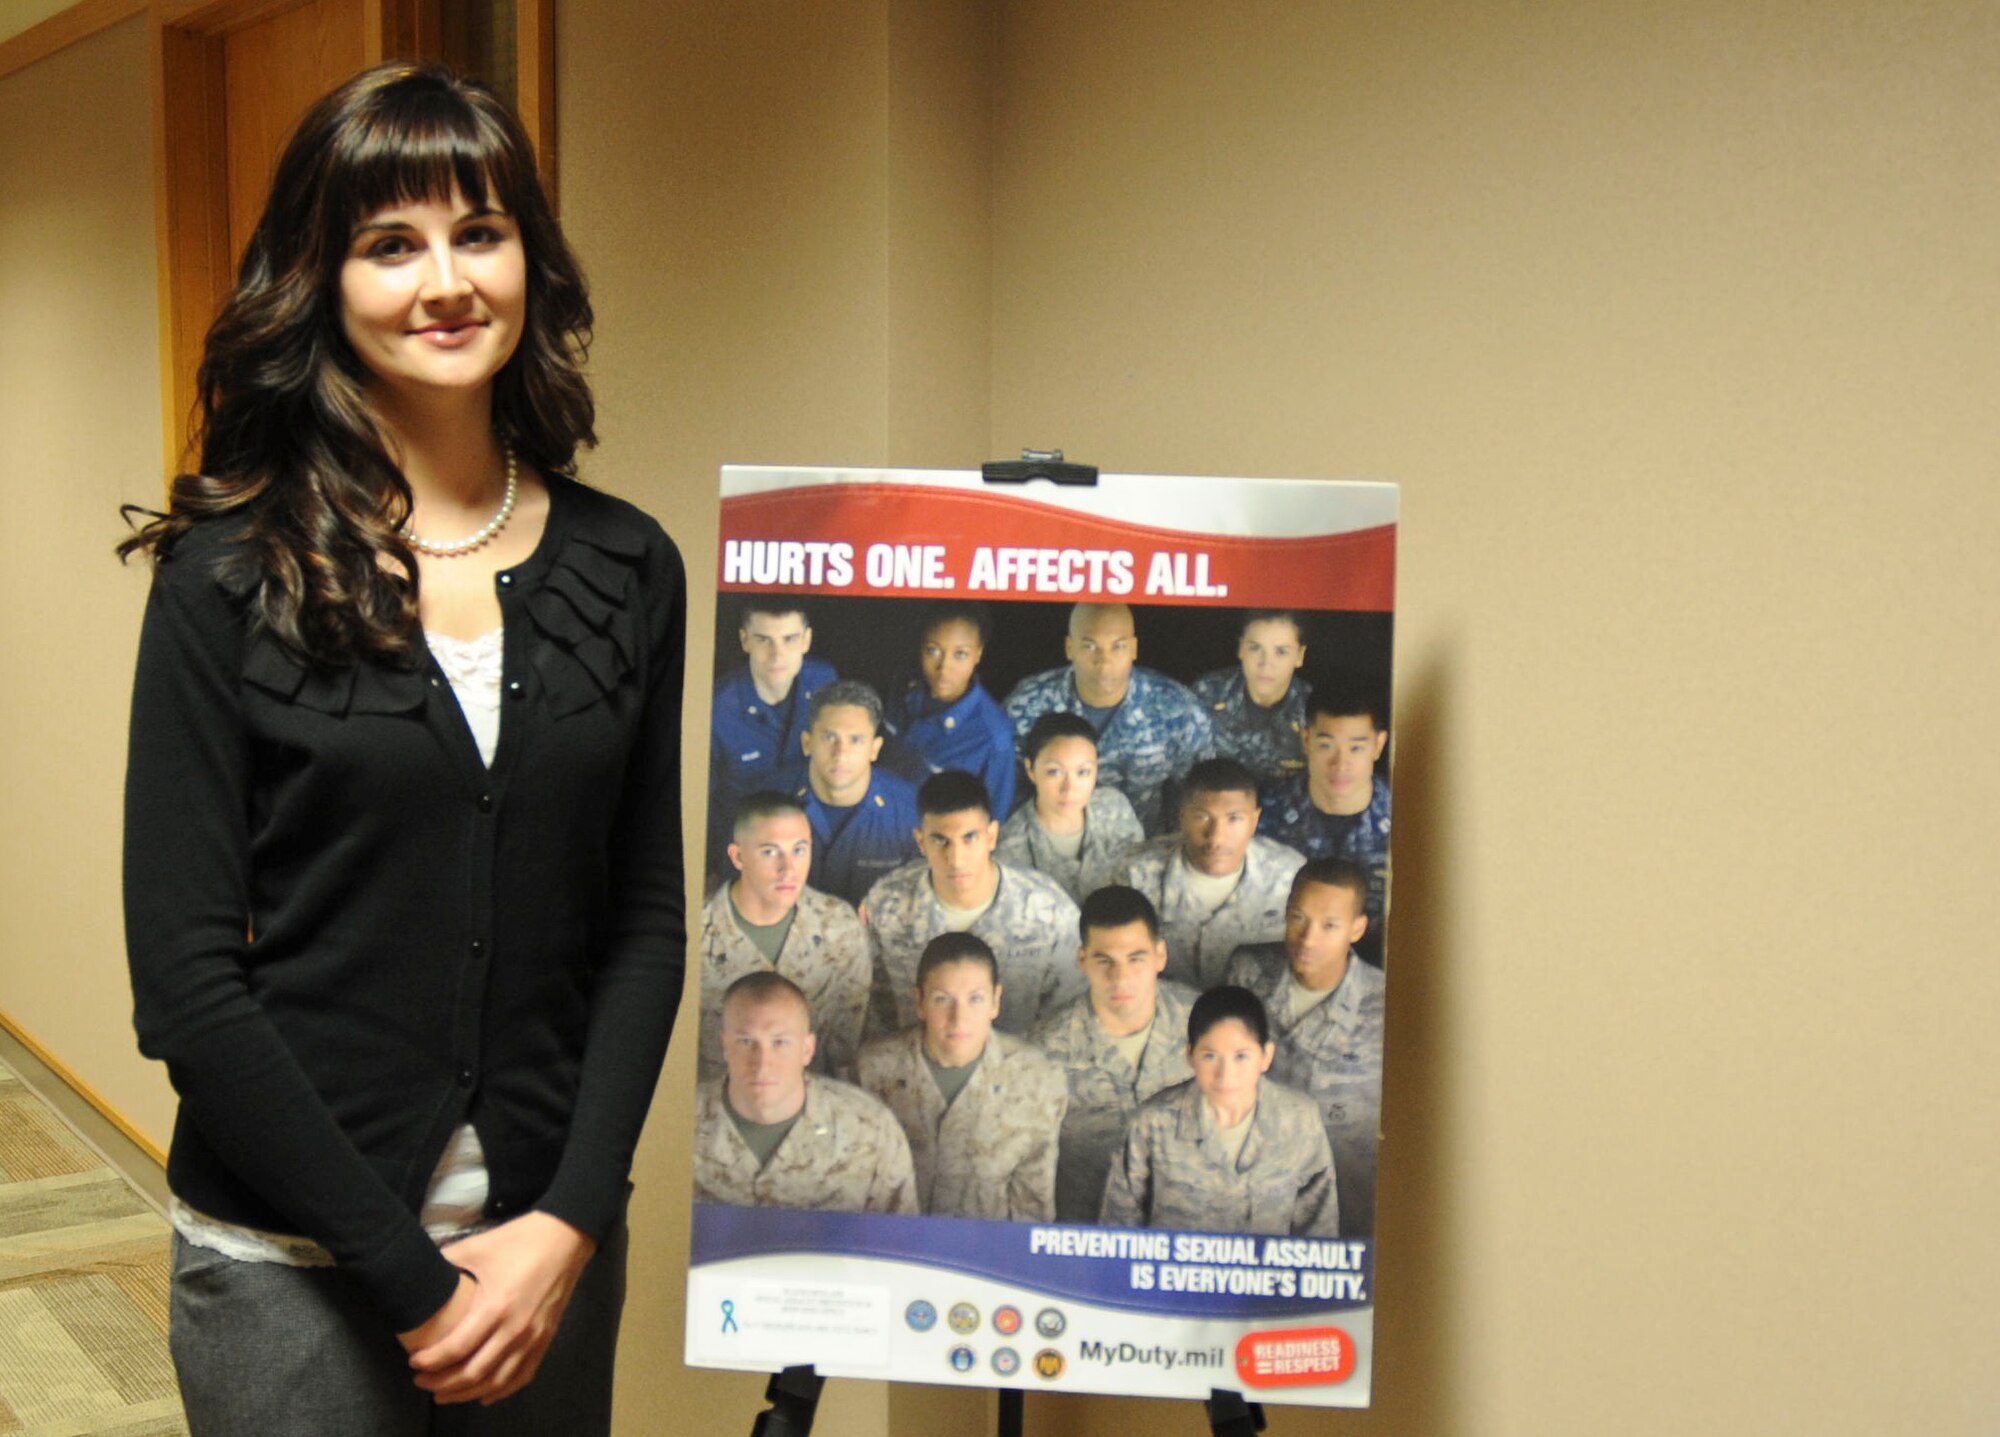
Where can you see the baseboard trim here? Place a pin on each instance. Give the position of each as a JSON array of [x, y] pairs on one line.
[[85, 1091]]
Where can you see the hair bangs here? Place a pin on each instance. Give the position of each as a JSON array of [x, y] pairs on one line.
[[426, 144]]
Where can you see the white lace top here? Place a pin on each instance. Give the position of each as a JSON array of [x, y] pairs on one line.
[[473, 666]]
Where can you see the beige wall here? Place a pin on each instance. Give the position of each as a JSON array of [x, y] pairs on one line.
[[79, 435], [1677, 327]]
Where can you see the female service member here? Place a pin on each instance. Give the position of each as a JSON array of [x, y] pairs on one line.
[[1226, 1151], [403, 855], [946, 718], [1071, 829]]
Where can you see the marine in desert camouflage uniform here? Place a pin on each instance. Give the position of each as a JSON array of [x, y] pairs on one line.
[[982, 1110], [1024, 918], [821, 947], [826, 1144]]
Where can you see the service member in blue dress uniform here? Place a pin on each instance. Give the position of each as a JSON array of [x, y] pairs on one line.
[[864, 819], [947, 719], [760, 713]]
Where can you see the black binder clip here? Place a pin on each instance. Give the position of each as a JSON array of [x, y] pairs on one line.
[[1039, 464]]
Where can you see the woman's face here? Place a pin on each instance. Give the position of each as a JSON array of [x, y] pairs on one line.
[[951, 653], [1065, 775], [1228, 1061], [434, 297]]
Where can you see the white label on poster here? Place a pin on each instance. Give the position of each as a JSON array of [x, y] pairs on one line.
[[787, 1323]]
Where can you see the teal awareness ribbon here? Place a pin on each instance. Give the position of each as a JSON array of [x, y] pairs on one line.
[[729, 1316]]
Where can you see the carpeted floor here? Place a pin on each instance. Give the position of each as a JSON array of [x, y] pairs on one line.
[[83, 1286]]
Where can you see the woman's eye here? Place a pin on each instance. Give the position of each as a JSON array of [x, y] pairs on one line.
[[389, 247]]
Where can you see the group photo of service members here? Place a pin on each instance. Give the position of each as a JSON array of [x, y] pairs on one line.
[[1097, 942]]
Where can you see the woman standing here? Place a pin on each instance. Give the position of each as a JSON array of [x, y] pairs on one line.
[[403, 841]]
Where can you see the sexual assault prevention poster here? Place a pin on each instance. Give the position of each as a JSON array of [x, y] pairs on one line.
[[1045, 935]]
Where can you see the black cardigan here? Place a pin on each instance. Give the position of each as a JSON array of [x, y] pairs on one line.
[[434, 941]]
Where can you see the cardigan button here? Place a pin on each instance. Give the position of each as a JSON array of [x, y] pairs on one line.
[[515, 689], [479, 947], [485, 803], [465, 1077], [506, 580]]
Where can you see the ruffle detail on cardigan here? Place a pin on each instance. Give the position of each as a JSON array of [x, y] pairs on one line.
[[351, 689], [587, 611]]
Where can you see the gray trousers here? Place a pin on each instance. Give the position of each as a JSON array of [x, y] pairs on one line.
[[264, 1350]]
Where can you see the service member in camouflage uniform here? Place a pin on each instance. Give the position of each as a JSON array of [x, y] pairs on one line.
[[767, 918], [771, 1134], [1024, 918], [1150, 728], [1118, 1045], [1226, 1151], [1074, 829], [1217, 884], [1257, 707], [981, 1109], [1325, 1006], [1339, 807]]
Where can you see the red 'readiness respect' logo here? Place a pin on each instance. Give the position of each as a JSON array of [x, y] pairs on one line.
[[1296, 1357]]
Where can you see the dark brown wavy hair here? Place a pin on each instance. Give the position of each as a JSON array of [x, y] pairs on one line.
[[289, 443]]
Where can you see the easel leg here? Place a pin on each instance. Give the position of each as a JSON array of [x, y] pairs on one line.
[[794, 1397], [1010, 1412], [1230, 1416]]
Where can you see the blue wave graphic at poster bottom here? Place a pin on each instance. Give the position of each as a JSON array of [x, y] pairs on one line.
[[1005, 1252]]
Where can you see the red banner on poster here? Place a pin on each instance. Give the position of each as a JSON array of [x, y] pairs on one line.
[[864, 538]]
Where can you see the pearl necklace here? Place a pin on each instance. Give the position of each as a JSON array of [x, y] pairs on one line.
[[452, 548]]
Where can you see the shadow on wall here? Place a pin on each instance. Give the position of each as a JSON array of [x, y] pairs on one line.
[[1416, 1365]]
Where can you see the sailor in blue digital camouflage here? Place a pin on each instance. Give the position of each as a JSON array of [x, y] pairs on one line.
[[1119, 1044], [1024, 918], [772, 1134], [1326, 1012], [1150, 729], [1228, 1150], [1339, 807], [1074, 829], [862, 815], [759, 713], [981, 1109], [1217, 884], [1257, 706], [768, 918], [946, 719]]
